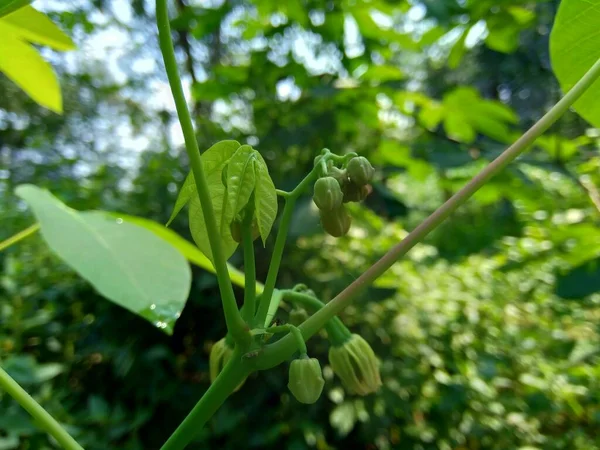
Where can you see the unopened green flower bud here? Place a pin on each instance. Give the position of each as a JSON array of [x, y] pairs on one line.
[[328, 194], [336, 222], [355, 193], [356, 365], [220, 354], [360, 170], [306, 380]]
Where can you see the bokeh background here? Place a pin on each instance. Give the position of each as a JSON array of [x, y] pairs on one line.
[[488, 331]]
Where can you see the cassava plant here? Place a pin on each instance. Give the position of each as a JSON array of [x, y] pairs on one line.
[[231, 201]]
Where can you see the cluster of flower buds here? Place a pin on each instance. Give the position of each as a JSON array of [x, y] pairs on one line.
[[340, 186]]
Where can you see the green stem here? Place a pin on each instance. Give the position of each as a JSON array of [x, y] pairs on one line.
[[19, 236], [224, 385], [286, 220], [296, 334], [282, 349], [336, 330], [249, 308], [235, 324], [45, 420]]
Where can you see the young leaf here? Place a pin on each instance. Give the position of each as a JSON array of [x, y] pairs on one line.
[[240, 182], [198, 225], [26, 68], [213, 160], [30, 25], [265, 198], [127, 264], [8, 6], [574, 48]]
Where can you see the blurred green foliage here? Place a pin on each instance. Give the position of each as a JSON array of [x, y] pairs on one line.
[[488, 331]]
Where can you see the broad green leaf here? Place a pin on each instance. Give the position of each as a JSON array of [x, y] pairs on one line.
[[574, 48], [198, 225], [27, 69], [214, 159], [265, 198], [31, 25], [383, 73], [8, 6], [240, 182], [458, 129], [504, 39], [187, 249], [458, 49], [126, 263]]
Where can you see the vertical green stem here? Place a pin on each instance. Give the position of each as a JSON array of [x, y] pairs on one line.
[[45, 420], [249, 308], [282, 349], [230, 377], [19, 236], [235, 324], [284, 225]]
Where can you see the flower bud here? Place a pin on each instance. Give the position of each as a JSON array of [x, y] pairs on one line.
[[306, 380], [355, 193], [360, 170], [337, 222], [327, 194], [236, 230], [220, 354], [356, 365]]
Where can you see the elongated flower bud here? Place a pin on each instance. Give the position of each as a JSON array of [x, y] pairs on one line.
[[356, 365], [306, 380], [220, 354]]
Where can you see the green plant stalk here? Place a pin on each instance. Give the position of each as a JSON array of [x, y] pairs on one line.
[[19, 236], [295, 333], [249, 308], [281, 350], [338, 332], [44, 419], [230, 377], [284, 225], [235, 324]]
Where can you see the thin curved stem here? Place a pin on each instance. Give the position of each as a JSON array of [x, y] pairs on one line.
[[336, 330], [235, 324], [234, 372], [42, 417], [19, 236], [282, 349]]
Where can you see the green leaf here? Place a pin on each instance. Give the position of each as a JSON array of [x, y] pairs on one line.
[[574, 48], [458, 49], [458, 129], [33, 26], [383, 73], [265, 198], [186, 248], [213, 160], [240, 183], [127, 264], [198, 226], [8, 6], [27, 69]]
